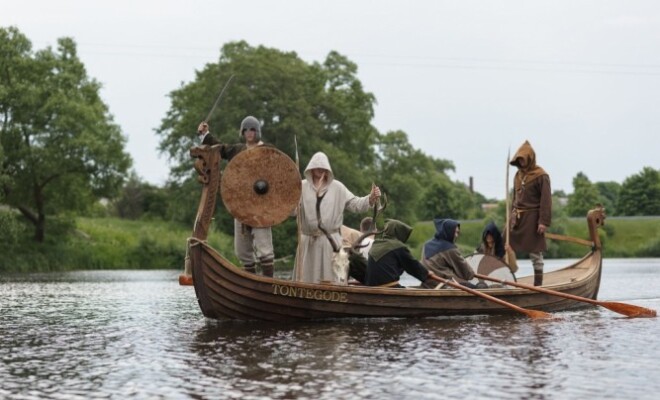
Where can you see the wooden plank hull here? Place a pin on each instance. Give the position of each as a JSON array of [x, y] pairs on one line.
[[226, 292]]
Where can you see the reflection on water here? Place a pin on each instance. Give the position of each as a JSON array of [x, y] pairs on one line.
[[120, 334]]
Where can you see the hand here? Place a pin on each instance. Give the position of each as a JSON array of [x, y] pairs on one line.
[[203, 128], [541, 229], [375, 194]]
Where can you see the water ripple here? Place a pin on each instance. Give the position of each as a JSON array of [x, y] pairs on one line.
[[137, 334]]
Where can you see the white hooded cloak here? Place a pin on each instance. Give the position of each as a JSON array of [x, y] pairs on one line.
[[314, 255]]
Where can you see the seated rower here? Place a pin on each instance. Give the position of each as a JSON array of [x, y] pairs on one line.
[[441, 256], [389, 257]]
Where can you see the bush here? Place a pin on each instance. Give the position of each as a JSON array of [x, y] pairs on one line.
[[11, 229], [651, 249]]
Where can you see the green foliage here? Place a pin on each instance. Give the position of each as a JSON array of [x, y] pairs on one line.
[[631, 237], [322, 105], [560, 223], [62, 150], [285, 239], [141, 200], [609, 194], [446, 199], [405, 174], [11, 229], [107, 243], [585, 196], [651, 249], [60, 226], [640, 194]]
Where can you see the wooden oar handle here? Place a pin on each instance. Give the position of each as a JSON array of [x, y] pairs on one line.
[[556, 236], [529, 313]]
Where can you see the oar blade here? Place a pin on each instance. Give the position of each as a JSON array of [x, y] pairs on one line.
[[536, 314], [629, 310]]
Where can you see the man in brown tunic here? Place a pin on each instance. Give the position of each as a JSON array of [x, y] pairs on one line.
[[531, 208]]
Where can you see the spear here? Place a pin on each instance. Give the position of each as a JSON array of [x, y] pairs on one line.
[[217, 101]]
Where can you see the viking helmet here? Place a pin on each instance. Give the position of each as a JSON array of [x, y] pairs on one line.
[[250, 122]]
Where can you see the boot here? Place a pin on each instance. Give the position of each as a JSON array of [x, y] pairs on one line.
[[537, 264], [267, 270], [250, 268], [538, 278]]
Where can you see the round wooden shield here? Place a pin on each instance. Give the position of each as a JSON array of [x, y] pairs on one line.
[[261, 186], [490, 266]]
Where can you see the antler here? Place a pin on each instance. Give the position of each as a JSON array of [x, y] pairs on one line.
[[383, 207], [358, 243], [378, 209]]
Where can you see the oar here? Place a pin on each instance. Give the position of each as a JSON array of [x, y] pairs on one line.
[[628, 310], [530, 313]]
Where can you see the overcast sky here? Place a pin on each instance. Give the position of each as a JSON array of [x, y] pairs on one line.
[[466, 80]]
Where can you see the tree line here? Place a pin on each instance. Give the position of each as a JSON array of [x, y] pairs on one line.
[[61, 151]]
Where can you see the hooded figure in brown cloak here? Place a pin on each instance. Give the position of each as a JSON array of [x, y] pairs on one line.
[[531, 208]]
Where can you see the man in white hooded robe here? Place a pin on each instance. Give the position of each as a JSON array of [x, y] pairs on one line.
[[315, 250]]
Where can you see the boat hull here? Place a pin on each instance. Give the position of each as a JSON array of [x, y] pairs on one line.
[[226, 292]]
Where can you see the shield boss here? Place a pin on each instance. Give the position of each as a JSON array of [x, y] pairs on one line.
[[261, 186]]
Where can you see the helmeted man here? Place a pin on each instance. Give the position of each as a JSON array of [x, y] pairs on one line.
[[250, 244]]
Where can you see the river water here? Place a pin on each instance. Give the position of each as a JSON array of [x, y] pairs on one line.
[[138, 334]]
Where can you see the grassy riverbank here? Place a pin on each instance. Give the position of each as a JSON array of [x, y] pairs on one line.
[[110, 243], [621, 237]]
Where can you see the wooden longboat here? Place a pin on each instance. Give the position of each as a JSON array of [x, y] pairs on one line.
[[227, 292]]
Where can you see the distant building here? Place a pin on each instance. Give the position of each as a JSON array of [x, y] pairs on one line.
[[485, 207]]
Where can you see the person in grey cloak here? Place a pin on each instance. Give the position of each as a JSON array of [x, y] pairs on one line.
[[441, 256], [320, 216]]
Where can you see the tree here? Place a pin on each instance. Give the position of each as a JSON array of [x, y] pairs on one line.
[[609, 193], [446, 199], [406, 173], [640, 194], [140, 199], [323, 106], [62, 150], [584, 197]]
